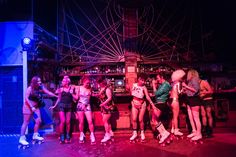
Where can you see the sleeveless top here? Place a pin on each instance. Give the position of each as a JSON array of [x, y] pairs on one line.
[[204, 88], [36, 95], [84, 96], [66, 97], [137, 91], [176, 90], [103, 97]]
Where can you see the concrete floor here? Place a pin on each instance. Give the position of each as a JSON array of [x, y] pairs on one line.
[[223, 144]]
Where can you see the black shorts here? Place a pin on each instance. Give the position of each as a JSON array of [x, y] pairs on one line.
[[194, 101], [65, 107], [161, 106], [165, 109], [207, 103], [108, 109]]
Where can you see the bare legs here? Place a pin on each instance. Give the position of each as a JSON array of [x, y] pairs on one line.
[[207, 120], [175, 110], [65, 118], [26, 120], [88, 115], [138, 113], [194, 117]]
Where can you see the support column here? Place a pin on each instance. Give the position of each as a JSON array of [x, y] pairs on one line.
[[130, 32]]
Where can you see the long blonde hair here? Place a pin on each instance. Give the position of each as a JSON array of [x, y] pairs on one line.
[[192, 73]]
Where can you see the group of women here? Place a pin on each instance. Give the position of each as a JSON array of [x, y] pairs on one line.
[[195, 89], [67, 95], [198, 100]]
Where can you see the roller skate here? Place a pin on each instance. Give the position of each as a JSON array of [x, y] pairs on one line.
[[164, 136], [197, 139], [62, 139], [37, 139], [133, 138], [177, 134], [81, 137], [164, 139], [142, 137], [106, 139], [23, 144], [209, 132], [191, 135], [68, 139], [112, 136], [92, 139]]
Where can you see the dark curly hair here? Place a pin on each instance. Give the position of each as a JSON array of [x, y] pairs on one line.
[[101, 80], [143, 76], [164, 75]]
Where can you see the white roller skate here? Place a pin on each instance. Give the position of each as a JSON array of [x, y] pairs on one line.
[[106, 138], [37, 139], [197, 139], [23, 143], [133, 138], [192, 134], [92, 138], [81, 137], [178, 134], [142, 136], [164, 136]]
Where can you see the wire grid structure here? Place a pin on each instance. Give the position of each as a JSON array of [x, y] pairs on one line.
[[91, 31]]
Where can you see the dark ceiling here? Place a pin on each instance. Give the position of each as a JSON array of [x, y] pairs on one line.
[[218, 18]]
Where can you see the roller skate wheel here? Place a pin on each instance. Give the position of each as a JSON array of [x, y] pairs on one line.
[[103, 143], [67, 141], [132, 141]]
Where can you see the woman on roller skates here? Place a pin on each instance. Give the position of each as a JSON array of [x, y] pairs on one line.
[[206, 108], [84, 109], [193, 104], [161, 97], [176, 90], [33, 100], [66, 95], [107, 106], [139, 93]]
